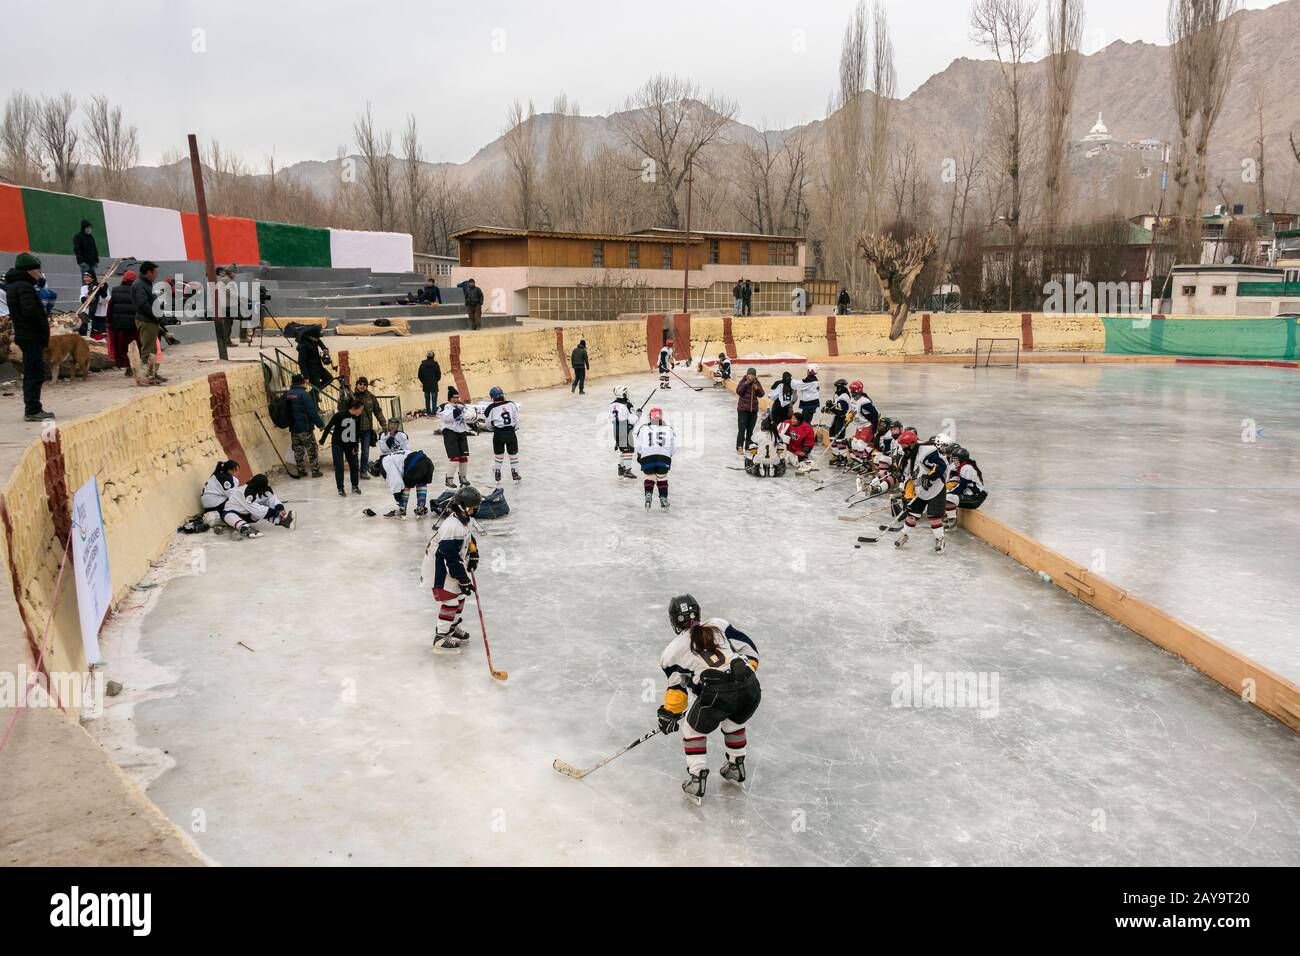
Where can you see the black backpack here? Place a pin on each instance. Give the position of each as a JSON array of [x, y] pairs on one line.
[[281, 411]]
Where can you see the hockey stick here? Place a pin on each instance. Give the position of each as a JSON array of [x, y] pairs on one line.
[[699, 367], [698, 388], [571, 771], [647, 400], [277, 450], [498, 675]]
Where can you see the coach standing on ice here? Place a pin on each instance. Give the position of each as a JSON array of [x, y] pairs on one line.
[[748, 391]]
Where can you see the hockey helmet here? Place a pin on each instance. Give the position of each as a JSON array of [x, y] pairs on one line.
[[495, 393], [656, 412], [722, 356], [941, 440], [620, 392], [841, 385], [668, 341], [907, 439], [376, 468], [468, 498], [855, 388], [960, 453], [683, 611], [812, 369], [394, 424]]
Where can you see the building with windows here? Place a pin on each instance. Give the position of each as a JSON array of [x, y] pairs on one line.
[[1232, 290], [570, 275]]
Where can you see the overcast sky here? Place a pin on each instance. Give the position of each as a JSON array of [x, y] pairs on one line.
[[289, 76]]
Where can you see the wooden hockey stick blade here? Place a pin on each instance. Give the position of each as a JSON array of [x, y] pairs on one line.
[[569, 770]]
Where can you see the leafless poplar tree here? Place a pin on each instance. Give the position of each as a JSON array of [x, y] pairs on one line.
[[884, 84], [521, 148], [376, 148], [1064, 35], [18, 141], [415, 185], [57, 136], [113, 144], [844, 212]]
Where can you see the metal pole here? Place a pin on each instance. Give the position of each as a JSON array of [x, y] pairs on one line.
[[686, 280], [205, 231]]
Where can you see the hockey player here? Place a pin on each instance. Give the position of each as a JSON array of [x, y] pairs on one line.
[[800, 441], [450, 557], [715, 663], [457, 425], [503, 418], [840, 409], [722, 371], [783, 397], [403, 471], [665, 363], [224, 480], [922, 471], [809, 393], [624, 418], [254, 502], [655, 443], [394, 440], [968, 488], [765, 460], [863, 407]]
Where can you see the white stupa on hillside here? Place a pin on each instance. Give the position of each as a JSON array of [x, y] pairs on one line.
[[1098, 139]]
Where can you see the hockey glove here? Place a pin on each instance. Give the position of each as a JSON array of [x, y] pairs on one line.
[[466, 586], [668, 721]]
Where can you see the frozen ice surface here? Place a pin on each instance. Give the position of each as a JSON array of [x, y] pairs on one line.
[[1179, 483], [341, 739]]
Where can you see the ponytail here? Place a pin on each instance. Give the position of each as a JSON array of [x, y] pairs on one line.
[[702, 640]]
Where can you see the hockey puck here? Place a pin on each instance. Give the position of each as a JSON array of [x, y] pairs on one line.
[[368, 512]]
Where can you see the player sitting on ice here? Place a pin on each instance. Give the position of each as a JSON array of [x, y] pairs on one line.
[[722, 371], [923, 472], [503, 418], [458, 423], [404, 471], [450, 560], [800, 440], [655, 444], [968, 486], [254, 502], [665, 363], [624, 417], [224, 480], [393, 439], [716, 663]]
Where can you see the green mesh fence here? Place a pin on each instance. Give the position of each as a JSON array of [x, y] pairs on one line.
[[1227, 338]]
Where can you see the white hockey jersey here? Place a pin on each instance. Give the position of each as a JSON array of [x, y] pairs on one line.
[[665, 359], [255, 508], [808, 391], [969, 481], [215, 492], [453, 539], [393, 471], [684, 668], [623, 413], [503, 415], [393, 444], [457, 418], [927, 473], [654, 439]]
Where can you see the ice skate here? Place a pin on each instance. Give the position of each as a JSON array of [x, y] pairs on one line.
[[248, 531], [515, 476], [395, 513], [649, 500], [421, 511], [496, 475], [938, 545], [451, 482], [450, 642], [694, 786], [463, 480], [290, 520], [734, 771], [625, 472], [900, 540], [663, 504]]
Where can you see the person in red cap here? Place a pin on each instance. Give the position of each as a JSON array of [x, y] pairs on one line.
[[665, 363], [121, 322]]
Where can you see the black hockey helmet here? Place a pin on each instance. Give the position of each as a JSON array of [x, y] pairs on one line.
[[683, 611], [841, 385], [376, 468], [961, 454], [468, 498]]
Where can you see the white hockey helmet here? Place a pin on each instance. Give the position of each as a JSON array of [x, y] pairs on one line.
[[620, 392], [813, 368]]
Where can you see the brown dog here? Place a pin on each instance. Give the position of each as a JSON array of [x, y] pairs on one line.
[[64, 347]]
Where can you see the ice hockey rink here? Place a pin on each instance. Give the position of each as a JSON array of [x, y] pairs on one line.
[[332, 734]]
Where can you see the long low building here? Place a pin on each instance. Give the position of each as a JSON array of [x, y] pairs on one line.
[[569, 275]]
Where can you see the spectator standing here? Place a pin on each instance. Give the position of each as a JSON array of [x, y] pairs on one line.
[[580, 362], [748, 391], [342, 432], [735, 294], [302, 430], [799, 300], [31, 326], [473, 303], [148, 322], [122, 329], [369, 425], [226, 306], [430, 374], [95, 314], [746, 298], [85, 250], [842, 303]]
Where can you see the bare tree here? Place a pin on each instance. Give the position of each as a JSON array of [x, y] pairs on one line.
[[113, 144], [525, 165], [967, 169], [1006, 29], [844, 207], [376, 148], [415, 184], [884, 83], [57, 136], [669, 127], [1064, 35], [18, 141], [564, 178], [1261, 192], [896, 267]]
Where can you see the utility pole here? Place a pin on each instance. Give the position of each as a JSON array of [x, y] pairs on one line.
[[201, 201], [686, 280]]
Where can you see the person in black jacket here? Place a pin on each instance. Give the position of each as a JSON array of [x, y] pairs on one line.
[[430, 374], [31, 330], [121, 322], [85, 249], [842, 303], [344, 425], [313, 357], [473, 303], [148, 321], [580, 362], [302, 430], [430, 294]]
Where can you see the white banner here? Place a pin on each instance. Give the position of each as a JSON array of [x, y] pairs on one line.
[[90, 565]]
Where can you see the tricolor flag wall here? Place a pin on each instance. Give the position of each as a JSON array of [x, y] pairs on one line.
[[35, 220]]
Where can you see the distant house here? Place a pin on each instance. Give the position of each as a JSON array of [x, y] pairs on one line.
[[1217, 289], [568, 275], [438, 267]]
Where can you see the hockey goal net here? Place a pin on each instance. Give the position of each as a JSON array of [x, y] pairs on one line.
[[996, 353]]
